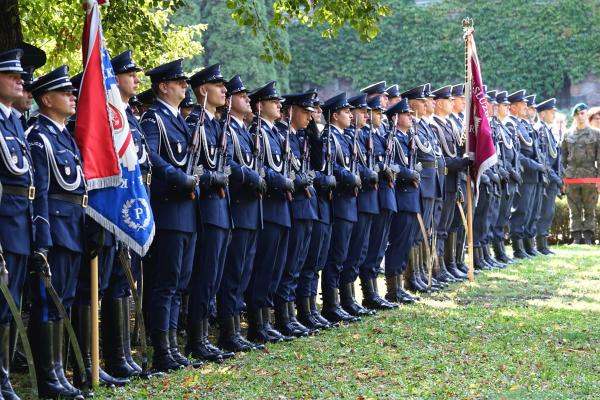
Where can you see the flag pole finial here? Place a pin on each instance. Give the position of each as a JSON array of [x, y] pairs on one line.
[[467, 23]]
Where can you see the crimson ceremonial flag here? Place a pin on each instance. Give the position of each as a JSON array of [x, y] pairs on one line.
[[117, 197], [480, 145]]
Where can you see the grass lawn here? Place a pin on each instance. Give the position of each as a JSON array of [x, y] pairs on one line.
[[531, 331]]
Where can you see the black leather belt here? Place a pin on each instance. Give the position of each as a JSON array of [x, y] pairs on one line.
[[71, 198], [28, 192]]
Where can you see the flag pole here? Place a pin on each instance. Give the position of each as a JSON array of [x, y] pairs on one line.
[[94, 321], [467, 28]]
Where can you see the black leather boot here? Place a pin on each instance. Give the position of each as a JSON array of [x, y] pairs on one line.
[[404, 296], [314, 310], [411, 275], [228, 337], [199, 346], [461, 252], [533, 247], [332, 310], [547, 247], [518, 252], [162, 360], [527, 247], [294, 321], [588, 237], [576, 236], [238, 331], [283, 323], [256, 329], [127, 337], [41, 337], [503, 245], [113, 350], [500, 256], [394, 292], [348, 302], [371, 298], [541, 247], [487, 255], [450, 258], [273, 333], [8, 392], [176, 354], [305, 316]]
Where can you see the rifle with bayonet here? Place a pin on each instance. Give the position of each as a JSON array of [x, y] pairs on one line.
[[354, 159], [195, 149], [287, 154], [222, 166]]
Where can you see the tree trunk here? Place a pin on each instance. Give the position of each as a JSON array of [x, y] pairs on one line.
[[11, 34]]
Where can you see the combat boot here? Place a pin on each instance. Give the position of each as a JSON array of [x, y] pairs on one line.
[[294, 321], [256, 328], [198, 345], [176, 354], [112, 339], [576, 235], [541, 246], [229, 338], [283, 323], [518, 252], [127, 336], [371, 297], [8, 392], [332, 310], [324, 322], [305, 316], [271, 331], [588, 237], [348, 302], [238, 331]]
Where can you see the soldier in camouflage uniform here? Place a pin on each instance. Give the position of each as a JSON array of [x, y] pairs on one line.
[[580, 150]]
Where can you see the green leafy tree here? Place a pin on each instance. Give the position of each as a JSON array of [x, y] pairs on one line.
[[236, 48], [143, 25]]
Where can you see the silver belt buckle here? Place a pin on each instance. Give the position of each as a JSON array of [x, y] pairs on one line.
[[31, 192], [84, 201]]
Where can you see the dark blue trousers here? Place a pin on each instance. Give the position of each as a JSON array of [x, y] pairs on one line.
[[118, 286], [106, 259], [236, 273], [445, 221], [403, 229], [16, 264], [308, 281], [338, 251], [271, 250], [547, 210], [378, 241], [298, 244], [504, 212], [481, 216], [209, 260], [64, 265], [523, 210], [167, 274], [493, 215], [536, 204], [359, 245]]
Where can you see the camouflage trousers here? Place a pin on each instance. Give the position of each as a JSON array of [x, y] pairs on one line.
[[582, 200]]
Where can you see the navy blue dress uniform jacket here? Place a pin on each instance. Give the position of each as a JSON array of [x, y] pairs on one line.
[[303, 207], [139, 141], [214, 210], [431, 185], [276, 207], [246, 209], [344, 200], [387, 196], [443, 128], [56, 158], [318, 160], [367, 201], [520, 131], [173, 207], [408, 196], [15, 211]]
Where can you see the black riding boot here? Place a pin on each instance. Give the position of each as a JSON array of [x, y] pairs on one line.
[[518, 252], [371, 298], [348, 302], [332, 310], [283, 323], [325, 323], [162, 360], [112, 339], [256, 329], [294, 321], [176, 354], [127, 336], [305, 316], [8, 392]]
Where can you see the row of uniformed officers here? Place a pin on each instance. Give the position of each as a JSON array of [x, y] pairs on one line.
[[253, 203]]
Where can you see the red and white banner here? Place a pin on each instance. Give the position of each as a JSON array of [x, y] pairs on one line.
[[480, 145]]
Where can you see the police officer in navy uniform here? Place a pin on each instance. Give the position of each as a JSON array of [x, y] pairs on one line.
[[59, 212], [508, 156], [116, 344], [338, 117], [381, 152], [430, 183], [246, 187], [22, 106], [214, 214], [173, 198], [523, 210], [455, 163], [321, 159], [273, 239], [297, 113], [548, 143], [378, 90], [17, 185], [404, 227], [367, 204]]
